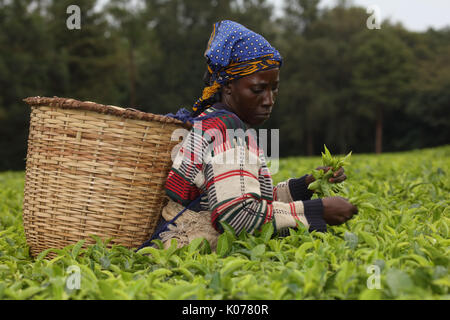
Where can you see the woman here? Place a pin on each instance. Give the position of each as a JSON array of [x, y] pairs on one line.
[[242, 84]]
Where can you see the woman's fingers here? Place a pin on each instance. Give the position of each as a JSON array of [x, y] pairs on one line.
[[338, 179], [353, 211], [338, 176], [339, 172], [325, 169]]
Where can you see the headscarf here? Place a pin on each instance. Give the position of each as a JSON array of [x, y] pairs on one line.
[[233, 51]]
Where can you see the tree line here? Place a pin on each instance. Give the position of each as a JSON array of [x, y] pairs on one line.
[[342, 84]]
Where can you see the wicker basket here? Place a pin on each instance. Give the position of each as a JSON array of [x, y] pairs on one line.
[[94, 170]]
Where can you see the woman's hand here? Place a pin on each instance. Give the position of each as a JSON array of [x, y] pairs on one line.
[[337, 210], [338, 176]]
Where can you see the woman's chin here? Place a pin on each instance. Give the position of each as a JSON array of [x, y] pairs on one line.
[[259, 120]]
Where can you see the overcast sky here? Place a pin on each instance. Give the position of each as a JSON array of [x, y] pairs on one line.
[[416, 15]]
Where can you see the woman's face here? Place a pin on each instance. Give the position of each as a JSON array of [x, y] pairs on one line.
[[252, 97]]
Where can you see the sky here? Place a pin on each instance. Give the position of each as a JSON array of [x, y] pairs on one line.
[[415, 15]]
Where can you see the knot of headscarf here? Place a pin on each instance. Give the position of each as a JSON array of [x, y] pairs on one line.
[[233, 52]]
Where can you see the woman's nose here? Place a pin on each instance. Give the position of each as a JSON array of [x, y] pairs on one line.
[[269, 98]]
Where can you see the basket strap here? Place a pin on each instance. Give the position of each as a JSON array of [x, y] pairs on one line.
[[165, 225]]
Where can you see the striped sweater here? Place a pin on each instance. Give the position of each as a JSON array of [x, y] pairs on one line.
[[216, 160]]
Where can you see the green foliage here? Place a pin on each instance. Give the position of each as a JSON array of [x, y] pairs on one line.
[[322, 186], [405, 235], [383, 70], [149, 55]]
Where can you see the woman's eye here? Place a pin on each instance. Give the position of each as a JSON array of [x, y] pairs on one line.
[[256, 91]]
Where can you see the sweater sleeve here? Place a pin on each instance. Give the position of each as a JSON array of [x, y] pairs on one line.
[[282, 193], [236, 194], [293, 189], [298, 189]]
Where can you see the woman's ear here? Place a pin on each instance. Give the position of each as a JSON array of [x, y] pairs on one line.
[[226, 89]]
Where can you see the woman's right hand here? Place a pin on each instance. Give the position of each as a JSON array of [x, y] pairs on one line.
[[337, 210]]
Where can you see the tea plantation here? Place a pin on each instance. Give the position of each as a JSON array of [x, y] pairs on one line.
[[397, 247]]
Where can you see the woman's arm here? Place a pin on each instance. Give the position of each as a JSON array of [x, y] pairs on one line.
[[236, 196], [240, 191], [293, 189]]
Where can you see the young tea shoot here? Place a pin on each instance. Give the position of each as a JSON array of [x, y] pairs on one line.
[[322, 186]]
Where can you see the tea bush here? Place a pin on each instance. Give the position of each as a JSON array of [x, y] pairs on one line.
[[395, 248]]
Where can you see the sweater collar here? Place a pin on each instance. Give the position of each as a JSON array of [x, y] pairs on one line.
[[223, 106]]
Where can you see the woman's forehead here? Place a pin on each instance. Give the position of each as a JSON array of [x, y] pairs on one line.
[[263, 77]]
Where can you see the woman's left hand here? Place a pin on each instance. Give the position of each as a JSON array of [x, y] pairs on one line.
[[337, 177]]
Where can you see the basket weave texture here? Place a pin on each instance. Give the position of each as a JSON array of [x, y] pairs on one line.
[[93, 169]]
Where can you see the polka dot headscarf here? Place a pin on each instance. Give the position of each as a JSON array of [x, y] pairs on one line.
[[233, 52]]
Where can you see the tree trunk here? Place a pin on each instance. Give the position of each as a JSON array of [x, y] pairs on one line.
[[379, 130], [132, 73], [309, 132], [309, 143]]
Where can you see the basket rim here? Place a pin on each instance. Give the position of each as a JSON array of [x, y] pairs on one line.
[[129, 113]]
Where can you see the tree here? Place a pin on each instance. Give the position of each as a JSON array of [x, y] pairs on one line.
[[299, 15], [24, 71], [382, 73], [171, 76], [89, 54], [294, 115], [318, 74], [431, 92], [130, 27]]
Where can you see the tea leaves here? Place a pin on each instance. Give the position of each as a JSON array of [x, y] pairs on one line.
[[397, 247]]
